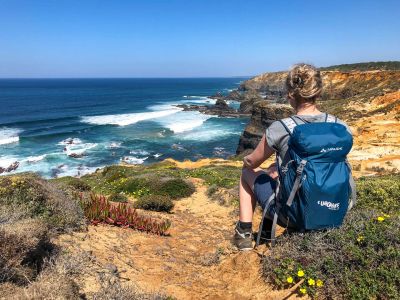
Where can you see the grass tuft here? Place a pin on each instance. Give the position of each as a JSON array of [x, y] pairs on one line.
[[155, 203]]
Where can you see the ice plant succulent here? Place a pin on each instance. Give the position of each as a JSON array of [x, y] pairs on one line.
[[99, 210]]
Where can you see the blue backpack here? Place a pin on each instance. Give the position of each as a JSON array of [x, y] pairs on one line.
[[316, 187]]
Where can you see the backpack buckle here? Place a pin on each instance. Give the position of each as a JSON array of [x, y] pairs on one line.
[[301, 166]]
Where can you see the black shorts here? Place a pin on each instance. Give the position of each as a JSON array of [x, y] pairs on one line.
[[264, 187]]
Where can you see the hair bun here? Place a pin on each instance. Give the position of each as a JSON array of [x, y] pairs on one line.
[[304, 81]]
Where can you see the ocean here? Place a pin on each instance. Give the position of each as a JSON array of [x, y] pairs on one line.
[[71, 127]]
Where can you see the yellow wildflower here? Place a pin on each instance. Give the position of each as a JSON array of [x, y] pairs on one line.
[[386, 215], [300, 273], [289, 279], [360, 238], [311, 282], [319, 283], [380, 219], [303, 290]]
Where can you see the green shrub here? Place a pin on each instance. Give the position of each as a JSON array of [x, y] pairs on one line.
[[76, 183], [113, 173], [134, 185], [118, 197], [155, 203], [174, 188], [359, 260], [211, 190], [38, 198], [381, 193], [221, 176]]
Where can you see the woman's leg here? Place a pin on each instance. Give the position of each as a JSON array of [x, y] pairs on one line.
[[247, 203]]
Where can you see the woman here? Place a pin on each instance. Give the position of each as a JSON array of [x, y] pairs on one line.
[[304, 86]]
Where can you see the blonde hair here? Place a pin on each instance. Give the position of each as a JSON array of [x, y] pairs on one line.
[[304, 82]]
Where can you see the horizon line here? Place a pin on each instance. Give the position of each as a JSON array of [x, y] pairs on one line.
[[133, 77]]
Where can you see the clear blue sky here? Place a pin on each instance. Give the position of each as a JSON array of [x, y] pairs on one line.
[[184, 38]]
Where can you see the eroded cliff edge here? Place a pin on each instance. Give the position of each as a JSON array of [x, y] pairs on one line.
[[368, 100]]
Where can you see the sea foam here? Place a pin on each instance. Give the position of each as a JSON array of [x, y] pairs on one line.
[[184, 121], [128, 119], [132, 160], [9, 135]]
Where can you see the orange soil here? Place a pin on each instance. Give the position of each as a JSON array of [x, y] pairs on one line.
[[377, 137]]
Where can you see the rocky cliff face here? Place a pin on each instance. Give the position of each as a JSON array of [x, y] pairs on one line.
[[262, 115], [347, 95]]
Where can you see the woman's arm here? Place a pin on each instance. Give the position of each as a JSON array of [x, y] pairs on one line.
[[259, 155]]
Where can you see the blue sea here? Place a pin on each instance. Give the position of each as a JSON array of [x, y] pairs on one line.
[[71, 127]]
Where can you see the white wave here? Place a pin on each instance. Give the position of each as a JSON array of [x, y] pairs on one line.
[[35, 159], [157, 155], [207, 134], [204, 101], [184, 121], [139, 152], [114, 145], [79, 171], [133, 160], [128, 119], [6, 161], [9, 135], [70, 141], [79, 149], [200, 97]]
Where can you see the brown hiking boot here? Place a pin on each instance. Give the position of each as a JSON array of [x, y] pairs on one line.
[[242, 239]]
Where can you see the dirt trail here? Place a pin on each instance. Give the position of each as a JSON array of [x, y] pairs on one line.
[[196, 262]]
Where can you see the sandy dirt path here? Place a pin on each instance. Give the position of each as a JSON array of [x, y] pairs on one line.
[[197, 260]]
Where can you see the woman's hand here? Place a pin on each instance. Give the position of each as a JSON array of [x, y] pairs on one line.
[[272, 171]]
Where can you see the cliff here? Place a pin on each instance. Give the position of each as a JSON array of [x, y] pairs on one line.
[[350, 95]]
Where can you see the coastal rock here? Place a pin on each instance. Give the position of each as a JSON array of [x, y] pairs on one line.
[[76, 155], [221, 109], [264, 113], [221, 104], [10, 168], [249, 98], [234, 95]]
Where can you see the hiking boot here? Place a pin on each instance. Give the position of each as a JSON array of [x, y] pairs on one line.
[[243, 239]]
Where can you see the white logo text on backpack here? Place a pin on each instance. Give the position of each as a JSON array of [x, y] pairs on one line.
[[329, 205], [323, 150]]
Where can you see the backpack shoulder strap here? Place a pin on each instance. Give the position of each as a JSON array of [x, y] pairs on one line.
[[330, 118], [289, 124]]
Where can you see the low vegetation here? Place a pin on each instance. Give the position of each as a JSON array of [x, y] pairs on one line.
[[367, 66], [118, 197], [157, 179], [360, 260], [30, 196], [32, 212], [155, 203]]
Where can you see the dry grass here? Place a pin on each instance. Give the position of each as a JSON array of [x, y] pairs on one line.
[[23, 246]]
